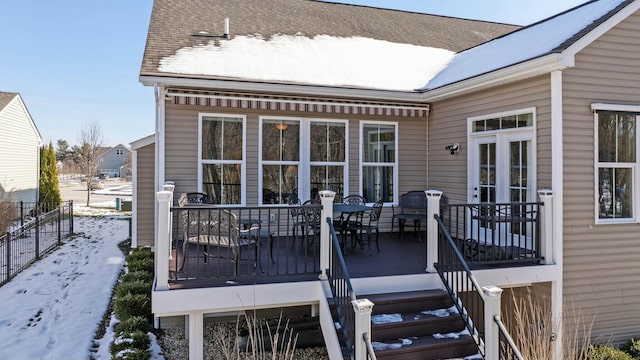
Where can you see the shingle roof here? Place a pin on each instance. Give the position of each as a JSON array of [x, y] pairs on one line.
[[174, 23], [5, 98]]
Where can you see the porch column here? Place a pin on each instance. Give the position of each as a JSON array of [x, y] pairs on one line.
[[326, 197], [195, 335], [433, 208], [362, 309], [546, 226], [492, 295], [163, 239]]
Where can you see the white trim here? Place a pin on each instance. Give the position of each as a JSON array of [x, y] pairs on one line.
[[525, 70], [395, 165], [304, 162], [615, 107], [570, 52], [140, 143], [557, 185], [134, 199], [243, 170], [281, 88]]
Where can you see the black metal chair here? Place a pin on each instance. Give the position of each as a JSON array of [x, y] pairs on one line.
[[369, 224], [412, 207], [198, 198]]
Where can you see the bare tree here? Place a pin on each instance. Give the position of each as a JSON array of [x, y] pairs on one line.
[[89, 151]]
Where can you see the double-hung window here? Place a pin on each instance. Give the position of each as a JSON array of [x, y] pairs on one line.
[[222, 158], [378, 160], [299, 157], [616, 165]]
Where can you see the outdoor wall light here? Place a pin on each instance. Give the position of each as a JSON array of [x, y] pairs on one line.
[[453, 148]]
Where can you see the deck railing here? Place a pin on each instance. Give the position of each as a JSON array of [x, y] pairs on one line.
[[461, 285], [490, 233], [33, 237]]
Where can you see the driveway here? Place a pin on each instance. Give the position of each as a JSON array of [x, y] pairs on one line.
[[76, 191]]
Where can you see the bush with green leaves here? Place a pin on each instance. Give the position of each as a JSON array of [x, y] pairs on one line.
[[140, 254], [632, 347], [144, 264], [608, 353], [132, 324], [144, 276], [133, 345], [135, 287]]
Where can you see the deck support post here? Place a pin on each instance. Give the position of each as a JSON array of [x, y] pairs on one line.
[[195, 335], [546, 226], [433, 209], [362, 309], [492, 295], [163, 240], [326, 198]]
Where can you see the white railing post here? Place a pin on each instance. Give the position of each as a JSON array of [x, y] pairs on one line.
[[362, 309], [169, 186], [163, 240], [492, 295], [546, 226], [326, 197], [433, 208]]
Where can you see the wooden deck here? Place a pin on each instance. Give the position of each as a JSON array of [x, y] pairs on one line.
[[297, 263]]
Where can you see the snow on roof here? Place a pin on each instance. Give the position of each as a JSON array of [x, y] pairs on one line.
[[323, 60], [525, 44]]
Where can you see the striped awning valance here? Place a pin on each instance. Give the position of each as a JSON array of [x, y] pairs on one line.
[[259, 102]]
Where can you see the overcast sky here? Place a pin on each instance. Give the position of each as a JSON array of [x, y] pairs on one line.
[[77, 62]]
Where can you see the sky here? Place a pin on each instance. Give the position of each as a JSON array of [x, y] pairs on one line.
[[76, 63], [52, 309]]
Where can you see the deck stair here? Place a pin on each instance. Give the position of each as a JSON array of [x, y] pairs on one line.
[[425, 315]]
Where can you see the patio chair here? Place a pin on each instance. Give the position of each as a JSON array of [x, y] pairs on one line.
[[369, 224], [412, 207], [297, 221], [197, 198], [312, 215], [217, 233]]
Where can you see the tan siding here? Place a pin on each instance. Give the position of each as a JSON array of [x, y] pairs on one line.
[[600, 261], [182, 152], [145, 195], [19, 154], [448, 124]]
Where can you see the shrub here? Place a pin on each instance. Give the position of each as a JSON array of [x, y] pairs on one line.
[[608, 353], [132, 324], [143, 276], [632, 347], [131, 305], [140, 254], [132, 346], [140, 265], [7, 214], [133, 287]]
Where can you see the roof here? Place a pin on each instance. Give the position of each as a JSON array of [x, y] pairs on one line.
[[531, 42], [306, 42], [5, 98]]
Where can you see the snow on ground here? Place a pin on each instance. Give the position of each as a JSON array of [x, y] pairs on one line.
[[53, 309]]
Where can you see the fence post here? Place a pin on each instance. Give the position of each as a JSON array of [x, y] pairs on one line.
[[326, 197], [8, 240], [70, 217], [163, 240], [21, 214], [433, 208], [37, 237], [546, 226], [59, 224], [492, 295], [362, 309]]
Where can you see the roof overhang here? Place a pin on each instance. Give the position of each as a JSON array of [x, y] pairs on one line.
[[524, 70], [290, 89], [145, 141]]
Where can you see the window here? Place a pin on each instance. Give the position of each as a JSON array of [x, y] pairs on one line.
[[300, 157], [616, 166], [379, 161], [119, 151], [221, 155]]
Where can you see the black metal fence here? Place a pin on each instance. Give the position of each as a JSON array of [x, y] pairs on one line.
[[36, 233]]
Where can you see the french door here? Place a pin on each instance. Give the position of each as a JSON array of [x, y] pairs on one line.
[[502, 169]]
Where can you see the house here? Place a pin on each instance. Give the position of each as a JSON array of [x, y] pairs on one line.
[[19, 150], [113, 161], [377, 102]]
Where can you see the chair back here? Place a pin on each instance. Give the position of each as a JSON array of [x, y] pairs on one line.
[[374, 215], [311, 214], [198, 198], [354, 200], [217, 227]]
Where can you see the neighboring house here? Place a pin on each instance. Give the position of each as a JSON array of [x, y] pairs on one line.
[[20, 143], [113, 161], [371, 101]]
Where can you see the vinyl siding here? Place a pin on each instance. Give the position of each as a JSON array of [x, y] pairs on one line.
[[182, 153], [19, 153], [601, 265], [145, 195], [448, 124]]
